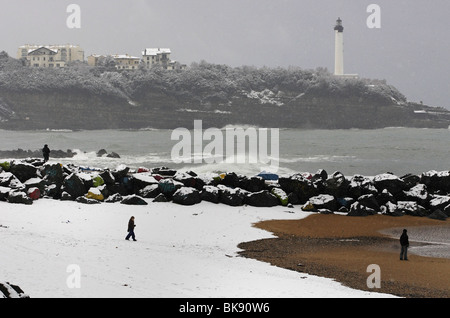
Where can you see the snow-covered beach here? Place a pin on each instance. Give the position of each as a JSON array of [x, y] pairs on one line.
[[181, 252]]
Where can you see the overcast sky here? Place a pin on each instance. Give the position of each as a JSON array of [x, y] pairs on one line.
[[411, 50]]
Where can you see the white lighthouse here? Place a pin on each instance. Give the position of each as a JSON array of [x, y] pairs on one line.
[[339, 48]]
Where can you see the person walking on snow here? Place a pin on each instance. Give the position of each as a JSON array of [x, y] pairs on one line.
[[46, 153], [404, 242], [131, 227]]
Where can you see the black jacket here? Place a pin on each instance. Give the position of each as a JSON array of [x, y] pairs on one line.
[[131, 225], [404, 239], [46, 151]]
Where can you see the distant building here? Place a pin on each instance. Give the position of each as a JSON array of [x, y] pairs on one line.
[[122, 61], [161, 57], [151, 57], [95, 59], [126, 62], [50, 55]]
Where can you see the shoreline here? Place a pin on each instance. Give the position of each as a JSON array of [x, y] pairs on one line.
[[341, 248]]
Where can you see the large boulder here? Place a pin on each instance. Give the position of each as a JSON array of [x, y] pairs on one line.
[[142, 180], [87, 179], [113, 154], [369, 200], [410, 180], [107, 177], [436, 181], [53, 191], [231, 196], [133, 200], [117, 187], [358, 209], [120, 172], [85, 200], [189, 179], [439, 202], [418, 193], [360, 185], [293, 198], [384, 197], [322, 201], [320, 175], [302, 187], [19, 197], [116, 197], [390, 209], [186, 196], [35, 183], [23, 171], [7, 179], [253, 184], [160, 198], [210, 193], [261, 198], [52, 173], [411, 208], [390, 182], [66, 196], [337, 185], [95, 193], [281, 195], [231, 180], [150, 191], [74, 186], [169, 186]]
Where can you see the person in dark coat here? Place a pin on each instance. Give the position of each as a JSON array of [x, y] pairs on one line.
[[404, 242], [46, 153], [131, 227]]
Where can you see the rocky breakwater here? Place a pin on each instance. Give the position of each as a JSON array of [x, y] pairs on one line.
[[22, 154], [428, 194]]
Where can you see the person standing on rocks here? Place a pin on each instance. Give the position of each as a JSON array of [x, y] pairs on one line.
[[46, 153], [131, 227], [404, 242]]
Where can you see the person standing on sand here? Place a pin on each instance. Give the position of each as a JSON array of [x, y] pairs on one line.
[[404, 242], [131, 227], [46, 153]]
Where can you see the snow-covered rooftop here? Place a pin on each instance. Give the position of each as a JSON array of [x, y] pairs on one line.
[[45, 47], [155, 51], [125, 56]]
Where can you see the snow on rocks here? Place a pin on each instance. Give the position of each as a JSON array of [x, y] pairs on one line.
[[319, 192], [187, 196], [321, 201]]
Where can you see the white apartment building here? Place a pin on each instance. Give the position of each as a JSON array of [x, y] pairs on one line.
[[50, 55], [157, 56]]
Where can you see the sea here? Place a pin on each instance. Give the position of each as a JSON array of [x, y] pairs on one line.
[[366, 152]]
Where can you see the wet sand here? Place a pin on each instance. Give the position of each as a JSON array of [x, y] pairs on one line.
[[342, 247]]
